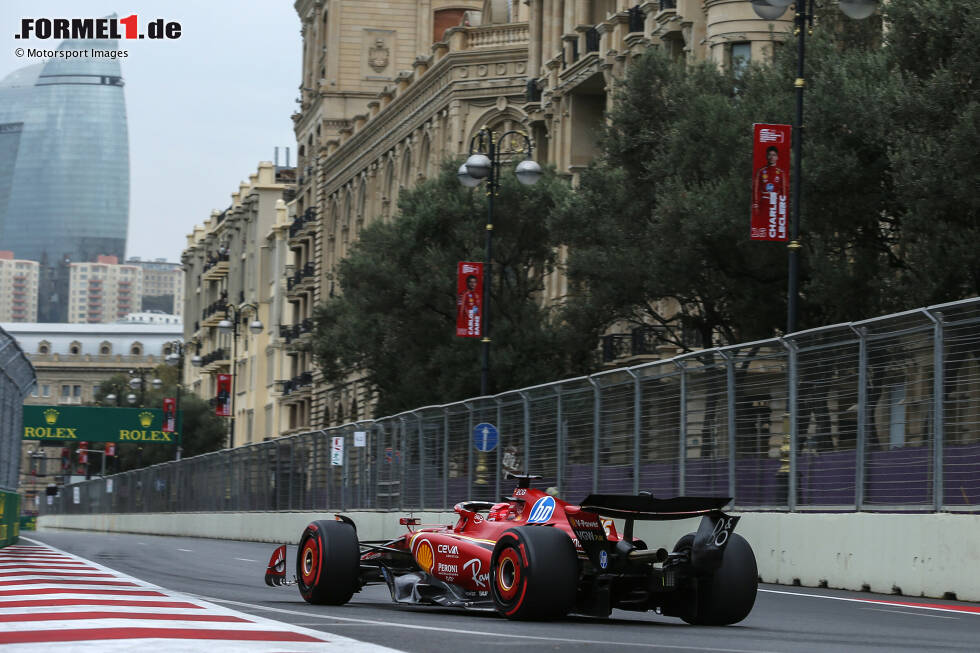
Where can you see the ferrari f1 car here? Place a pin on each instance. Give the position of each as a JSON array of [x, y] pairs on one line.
[[534, 556]]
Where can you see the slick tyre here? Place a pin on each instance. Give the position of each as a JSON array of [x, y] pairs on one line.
[[727, 595], [534, 573], [328, 563]]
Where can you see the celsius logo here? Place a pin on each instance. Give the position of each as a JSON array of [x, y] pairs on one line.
[[542, 510], [96, 28]]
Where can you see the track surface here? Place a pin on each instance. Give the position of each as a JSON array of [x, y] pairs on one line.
[[786, 619]]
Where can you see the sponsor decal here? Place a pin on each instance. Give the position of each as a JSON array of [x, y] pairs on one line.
[[475, 567], [444, 568], [424, 555], [447, 549], [603, 559], [585, 523], [541, 511]]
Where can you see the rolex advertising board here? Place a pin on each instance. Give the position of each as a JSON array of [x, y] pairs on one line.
[[98, 424]]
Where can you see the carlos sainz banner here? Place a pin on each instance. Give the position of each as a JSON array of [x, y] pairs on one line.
[[770, 181], [469, 299]]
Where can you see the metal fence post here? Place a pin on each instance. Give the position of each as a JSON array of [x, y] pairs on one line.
[[636, 429], [682, 445], [499, 449], [445, 458], [596, 424], [730, 412], [559, 441], [469, 450], [792, 399], [861, 439], [418, 420], [938, 410]]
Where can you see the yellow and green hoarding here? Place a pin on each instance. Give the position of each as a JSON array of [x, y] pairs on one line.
[[99, 424]]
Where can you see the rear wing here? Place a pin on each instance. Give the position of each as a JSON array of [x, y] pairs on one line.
[[709, 542], [645, 507]]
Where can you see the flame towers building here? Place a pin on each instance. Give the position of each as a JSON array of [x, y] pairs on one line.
[[64, 167]]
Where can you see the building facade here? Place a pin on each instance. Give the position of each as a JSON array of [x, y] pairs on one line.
[[236, 265], [71, 362], [103, 291], [163, 285], [64, 167], [18, 289]]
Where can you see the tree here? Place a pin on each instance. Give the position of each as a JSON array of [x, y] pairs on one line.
[[658, 234], [203, 431], [394, 320]]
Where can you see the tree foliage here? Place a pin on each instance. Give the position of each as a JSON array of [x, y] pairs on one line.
[[394, 320], [659, 231], [203, 430]]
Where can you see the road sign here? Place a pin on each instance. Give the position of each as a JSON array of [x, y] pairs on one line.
[[485, 437]]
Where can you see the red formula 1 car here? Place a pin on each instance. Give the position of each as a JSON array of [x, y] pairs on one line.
[[534, 556]]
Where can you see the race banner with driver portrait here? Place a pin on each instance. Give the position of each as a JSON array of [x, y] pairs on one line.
[[770, 181], [469, 299], [222, 401]]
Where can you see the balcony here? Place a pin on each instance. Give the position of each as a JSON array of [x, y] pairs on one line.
[[296, 332], [216, 267], [303, 226], [300, 280], [648, 343], [213, 314], [215, 361], [297, 388]]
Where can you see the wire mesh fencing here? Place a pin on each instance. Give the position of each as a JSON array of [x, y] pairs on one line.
[[882, 414], [16, 380]]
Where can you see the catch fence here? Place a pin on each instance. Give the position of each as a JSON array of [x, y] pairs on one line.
[[16, 380], [882, 414]]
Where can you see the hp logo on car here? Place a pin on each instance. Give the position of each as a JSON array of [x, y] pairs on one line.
[[541, 511]]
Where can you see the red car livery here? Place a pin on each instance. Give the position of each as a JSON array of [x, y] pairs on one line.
[[535, 556]]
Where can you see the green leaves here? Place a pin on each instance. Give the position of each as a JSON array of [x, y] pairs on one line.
[[393, 325]]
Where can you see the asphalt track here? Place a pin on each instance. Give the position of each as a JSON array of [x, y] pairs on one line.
[[785, 619]]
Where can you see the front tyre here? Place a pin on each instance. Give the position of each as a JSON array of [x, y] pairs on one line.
[[328, 563], [534, 573], [727, 595]]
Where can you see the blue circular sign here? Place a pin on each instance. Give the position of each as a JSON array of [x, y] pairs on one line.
[[485, 437]]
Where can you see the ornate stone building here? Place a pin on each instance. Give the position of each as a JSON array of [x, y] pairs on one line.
[[390, 89]]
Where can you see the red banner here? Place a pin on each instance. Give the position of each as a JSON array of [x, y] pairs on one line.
[[469, 299], [770, 181], [110, 448], [222, 401], [169, 415]]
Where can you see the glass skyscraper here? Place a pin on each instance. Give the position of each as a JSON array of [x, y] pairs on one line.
[[64, 167]]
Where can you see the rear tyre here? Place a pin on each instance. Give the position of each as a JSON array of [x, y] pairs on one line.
[[727, 595], [534, 573], [328, 563]]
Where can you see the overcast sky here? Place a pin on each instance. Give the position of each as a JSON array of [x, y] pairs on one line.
[[203, 109]]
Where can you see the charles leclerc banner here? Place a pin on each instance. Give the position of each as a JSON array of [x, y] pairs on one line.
[[469, 299], [222, 405], [770, 181]]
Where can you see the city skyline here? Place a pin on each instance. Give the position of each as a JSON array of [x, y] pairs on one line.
[[202, 109]]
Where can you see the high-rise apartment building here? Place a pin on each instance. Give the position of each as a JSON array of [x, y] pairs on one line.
[[64, 167], [103, 291], [18, 289], [163, 285]]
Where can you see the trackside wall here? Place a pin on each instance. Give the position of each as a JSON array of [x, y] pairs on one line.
[[911, 554]]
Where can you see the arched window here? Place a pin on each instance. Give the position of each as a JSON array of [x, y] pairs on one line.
[[75, 348], [105, 348], [389, 192], [406, 176], [425, 165], [44, 347], [136, 349], [360, 207]]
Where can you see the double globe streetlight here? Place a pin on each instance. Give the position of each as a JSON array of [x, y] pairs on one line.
[[771, 10], [230, 326], [484, 162]]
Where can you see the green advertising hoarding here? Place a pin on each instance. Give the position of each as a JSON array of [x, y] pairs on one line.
[[9, 518], [98, 424]]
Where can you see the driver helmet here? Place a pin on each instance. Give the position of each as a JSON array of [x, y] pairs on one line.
[[498, 512]]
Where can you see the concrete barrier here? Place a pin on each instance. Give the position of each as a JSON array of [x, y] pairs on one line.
[[932, 555]]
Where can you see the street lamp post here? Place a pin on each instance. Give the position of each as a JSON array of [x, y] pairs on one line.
[[176, 359], [771, 10], [230, 325], [484, 163]]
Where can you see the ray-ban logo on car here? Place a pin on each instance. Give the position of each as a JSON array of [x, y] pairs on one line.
[[542, 510]]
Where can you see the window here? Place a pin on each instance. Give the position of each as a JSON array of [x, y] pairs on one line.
[[44, 348], [65, 391], [45, 391], [741, 56], [76, 391], [136, 349], [75, 350]]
